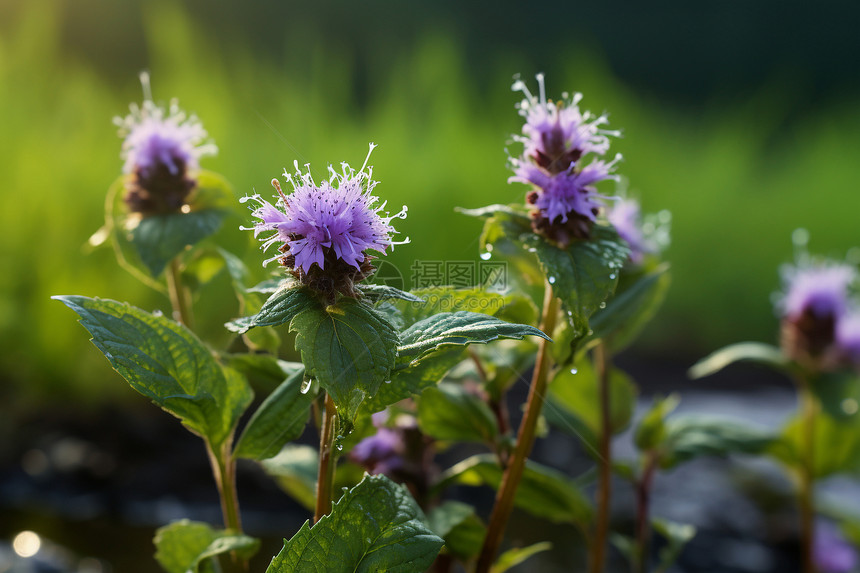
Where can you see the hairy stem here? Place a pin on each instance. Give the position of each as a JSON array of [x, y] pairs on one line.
[[180, 298], [224, 470], [525, 441], [807, 476], [604, 486], [325, 479], [643, 511]]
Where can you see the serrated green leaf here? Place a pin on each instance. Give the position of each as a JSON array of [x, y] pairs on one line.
[[184, 545], [543, 491], [168, 364], [376, 526], [518, 555], [574, 401], [448, 412], [295, 470], [690, 437], [651, 430], [281, 418], [287, 302], [756, 352], [447, 299], [413, 379], [349, 348], [585, 274], [457, 524], [457, 328], [636, 300]]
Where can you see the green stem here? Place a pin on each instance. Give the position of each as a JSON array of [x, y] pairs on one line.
[[525, 441], [327, 461], [224, 470], [180, 298], [807, 477], [604, 486]]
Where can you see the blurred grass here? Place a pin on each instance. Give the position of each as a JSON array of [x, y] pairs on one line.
[[738, 175]]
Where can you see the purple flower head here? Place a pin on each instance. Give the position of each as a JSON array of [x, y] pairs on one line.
[[557, 134], [326, 228], [831, 552], [815, 303], [160, 147], [644, 235], [381, 452], [820, 289]]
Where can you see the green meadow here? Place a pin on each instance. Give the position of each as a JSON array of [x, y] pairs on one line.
[[738, 173]]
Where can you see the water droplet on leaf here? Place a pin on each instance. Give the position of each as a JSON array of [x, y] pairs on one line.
[[573, 370], [551, 280], [602, 305], [486, 256], [306, 385]]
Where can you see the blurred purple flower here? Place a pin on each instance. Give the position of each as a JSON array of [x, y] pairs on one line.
[[831, 552], [155, 136], [339, 218], [820, 289], [381, 452], [160, 147]]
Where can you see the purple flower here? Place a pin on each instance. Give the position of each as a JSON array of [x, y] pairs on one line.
[[555, 137], [815, 303], [160, 147], [820, 289], [831, 552], [381, 452], [557, 134], [339, 216]]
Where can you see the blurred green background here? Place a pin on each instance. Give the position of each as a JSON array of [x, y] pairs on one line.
[[741, 118]]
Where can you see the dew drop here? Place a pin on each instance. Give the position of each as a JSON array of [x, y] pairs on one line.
[[551, 280], [612, 277], [602, 305], [573, 370], [157, 313], [486, 256], [339, 447], [388, 381], [306, 385]]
